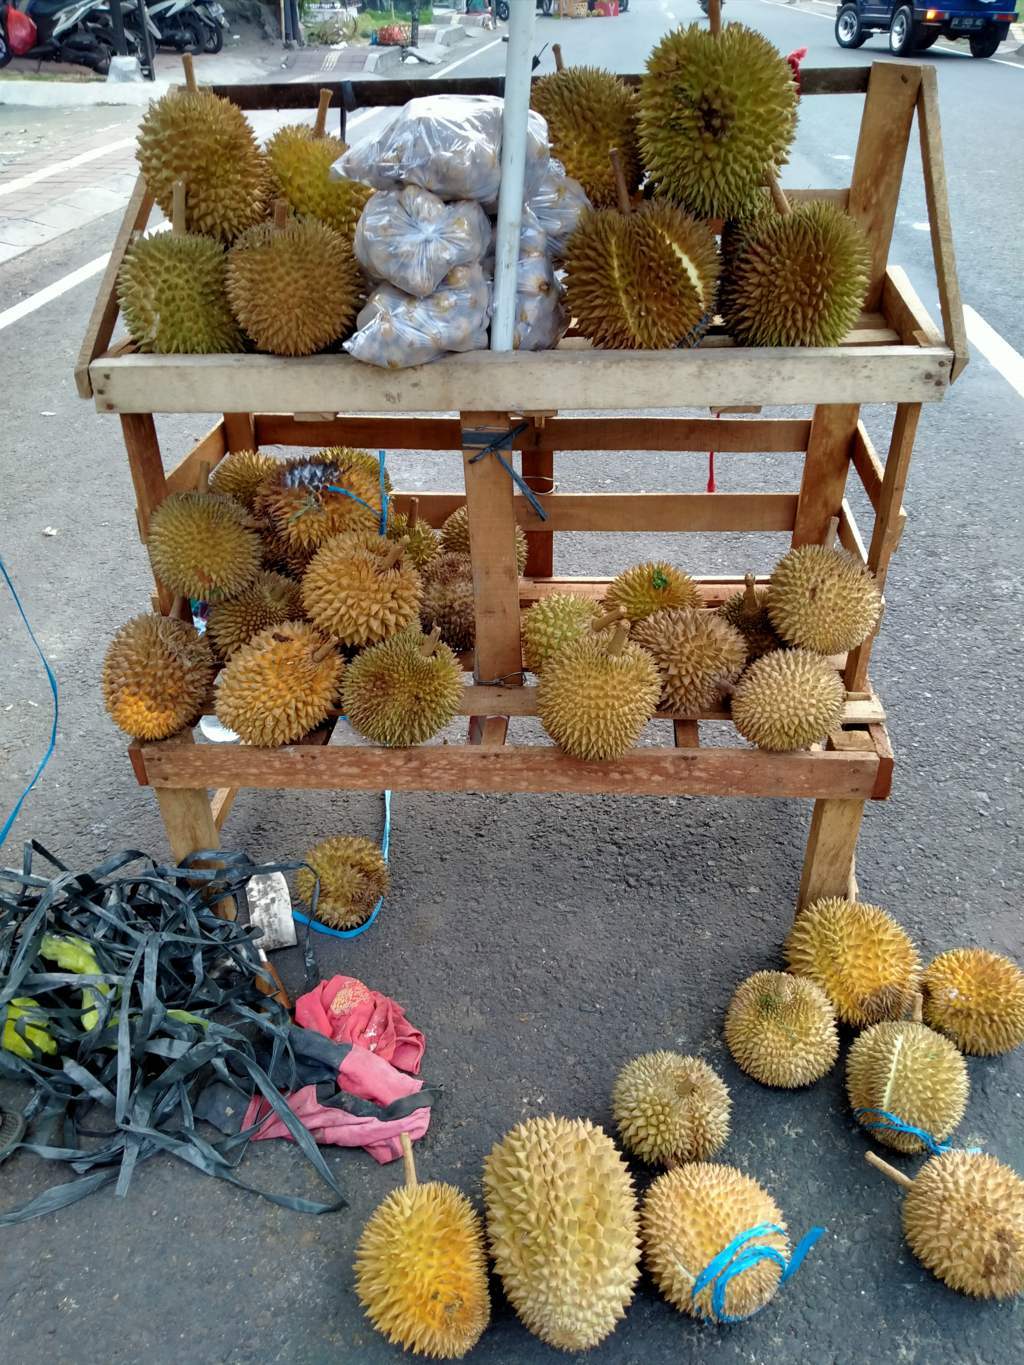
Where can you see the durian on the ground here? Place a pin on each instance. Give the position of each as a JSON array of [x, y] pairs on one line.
[[670, 1109], [280, 685], [353, 876], [157, 674], [976, 997], [781, 1030]]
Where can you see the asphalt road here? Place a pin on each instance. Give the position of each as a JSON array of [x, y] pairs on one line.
[[540, 942]]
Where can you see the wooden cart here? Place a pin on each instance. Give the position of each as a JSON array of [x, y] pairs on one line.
[[896, 355]]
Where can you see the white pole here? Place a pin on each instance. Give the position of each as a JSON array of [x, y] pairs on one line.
[[518, 71]]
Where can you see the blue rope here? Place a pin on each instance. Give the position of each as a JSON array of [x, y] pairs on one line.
[[56, 708], [894, 1124], [740, 1256], [495, 449]]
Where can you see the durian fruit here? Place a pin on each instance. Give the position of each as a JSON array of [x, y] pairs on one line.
[[977, 998], [908, 1070], [269, 600], [299, 159], [554, 622], [172, 292], [596, 696], [788, 699], [241, 474], [358, 590], [455, 537], [294, 285], [298, 497], [860, 957], [670, 1109], [797, 278], [448, 602], [963, 1219], [715, 112], [282, 556], [823, 600], [195, 136], [201, 546], [693, 1213], [403, 691], [157, 674], [699, 656], [641, 281], [562, 1227], [748, 612], [781, 1030], [654, 586], [353, 877], [421, 1271], [280, 685], [588, 112], [422, 543]]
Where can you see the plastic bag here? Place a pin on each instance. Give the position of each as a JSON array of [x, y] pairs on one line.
[[558, 205], [411, 239], [449, 144], [397, 330], [21, 31], [533, 240], [540, 318]]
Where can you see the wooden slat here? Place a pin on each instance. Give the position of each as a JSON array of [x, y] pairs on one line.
[[831, 848], [239, 431], [849, 533], [833, 196], [648, 433], [713, 590], [825, 470], [867, 464], [210, 450], [668, 512], [937, 197], [538, 469], [686, 734], [906, 312], [103, 317], [886, 762], [220, 806], [146, 466], [391, 433]]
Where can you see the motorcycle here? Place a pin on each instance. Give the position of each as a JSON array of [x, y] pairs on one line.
[[176, 24], [73, 31], [216, 21]]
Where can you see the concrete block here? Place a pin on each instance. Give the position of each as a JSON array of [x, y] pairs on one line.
[[124, 70]]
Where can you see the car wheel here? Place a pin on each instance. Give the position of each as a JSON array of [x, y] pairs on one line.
[[901, 34], [927, 38], [849, 31], [985, 44]]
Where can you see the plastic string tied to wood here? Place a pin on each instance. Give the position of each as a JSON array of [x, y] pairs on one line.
[[494, 447]]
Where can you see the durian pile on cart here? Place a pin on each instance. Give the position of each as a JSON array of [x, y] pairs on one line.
[[501, 254]]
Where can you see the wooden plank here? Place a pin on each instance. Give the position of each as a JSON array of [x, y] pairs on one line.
[[210, 450], [220, 806], [714, 591], [515, 768], [388, 433], [886, 762], [146, 467], [881, 154], [668, 512], [103, 317], [686, 734], [647, 433], [538, 468], [522, 701], [849, 534], [240, 431], [566, 378], [937, 197], [831, 847], [904, 309], [867, 464], [825, 470], [833, 196]]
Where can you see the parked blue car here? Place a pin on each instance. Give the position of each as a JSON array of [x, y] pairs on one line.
[[914, 27]]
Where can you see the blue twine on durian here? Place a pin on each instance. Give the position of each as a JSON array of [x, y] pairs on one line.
[[894, 1124], [741, 1255]]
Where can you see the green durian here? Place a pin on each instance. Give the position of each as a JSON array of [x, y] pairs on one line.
[[588, 112], [172, 294], [403, 691], [299, 161], [554, 622], [201, 545], [241, 474]]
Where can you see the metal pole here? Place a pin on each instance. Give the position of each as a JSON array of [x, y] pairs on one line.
[[414, 30], [518, 71], [117, 24], [148, 52]]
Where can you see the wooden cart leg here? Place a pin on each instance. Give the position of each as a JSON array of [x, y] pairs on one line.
[[826, 466], [147, 471], [831, 851], [188, 820]]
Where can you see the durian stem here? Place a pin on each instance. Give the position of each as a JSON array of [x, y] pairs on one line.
[[782, 204], [556, 52], [178, 209], [888, 1170], [715, 17], [609, 618], [203, 479], [414, 513], [431, 642], [620, 180], [750, 592], [328, 647], [280, 213], [320, 126], [917, 1008], [190, 74], [408, 1161], [394, 554], [618, 640], [831, 533]]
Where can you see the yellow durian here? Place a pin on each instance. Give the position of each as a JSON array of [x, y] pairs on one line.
[[280, 685], [670, 1109], [359, 591], [353, 876], [157, 674], [977, 998], [781, 1030]]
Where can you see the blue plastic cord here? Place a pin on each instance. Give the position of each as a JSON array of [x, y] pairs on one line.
[[495, 449], [895, 1124], [739, 1256], [56, 708]]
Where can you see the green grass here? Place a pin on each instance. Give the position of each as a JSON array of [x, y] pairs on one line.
[[372, 19]]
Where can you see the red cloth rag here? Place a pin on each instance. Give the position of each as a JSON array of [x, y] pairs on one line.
[[349, 1012], [362, 1074]]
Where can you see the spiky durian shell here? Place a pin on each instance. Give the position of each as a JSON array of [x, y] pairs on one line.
[[698, 655], [455, 537], [297, 496], [908, 1070], [715, 113], [861, 958], [299, 162], [588, 112], [241, 474], [823, 600], [781, 1030], [350, 597], [654, 586], [396, 695], [798, 279], [448, 601], [201, 545], [207, 142], [670, 1108], [554, 622], [295, 289], [747, 610], [279, 556], [269, 600], [977, 998], [421, 1272], [787, 700], [562, 1226], [643, 281], [594, 703], [157, 673], [172, 295], [963, 1219], [272, 691], [353, 877], [691, 1214], [423, 545]]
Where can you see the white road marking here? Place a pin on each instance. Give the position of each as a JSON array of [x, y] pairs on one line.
[[447, 70], [997, 352], [44, 173]]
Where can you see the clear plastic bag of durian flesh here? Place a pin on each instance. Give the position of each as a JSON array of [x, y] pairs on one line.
[[396, 330], [540, 318], [412, 239], [448, 144], [558, 206]]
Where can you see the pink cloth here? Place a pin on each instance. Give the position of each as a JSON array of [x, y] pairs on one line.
[[349, 1012], [363, 1074]]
